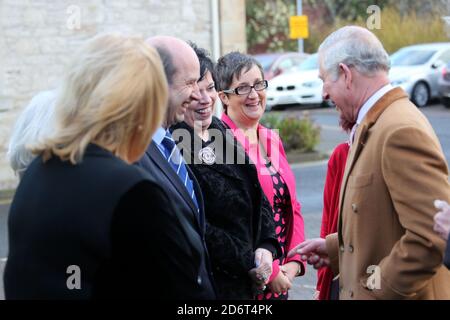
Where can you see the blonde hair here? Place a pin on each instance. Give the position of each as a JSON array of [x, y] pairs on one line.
[[114, 95]]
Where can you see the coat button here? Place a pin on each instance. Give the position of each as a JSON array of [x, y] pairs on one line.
[[354, 207], [350, 248], [199, 280], [341, 247]]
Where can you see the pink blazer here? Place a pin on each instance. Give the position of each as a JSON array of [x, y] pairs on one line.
[[275, 151]]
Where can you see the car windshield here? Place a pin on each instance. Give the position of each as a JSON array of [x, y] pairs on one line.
[[310, 63], [266, 61], [411, 57]]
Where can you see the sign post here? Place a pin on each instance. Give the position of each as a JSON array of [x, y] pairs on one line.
[[298, 26]]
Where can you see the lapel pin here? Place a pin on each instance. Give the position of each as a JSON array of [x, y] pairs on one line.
[[207, 156]]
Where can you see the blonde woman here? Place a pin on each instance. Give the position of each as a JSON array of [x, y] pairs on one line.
[[78, 226]]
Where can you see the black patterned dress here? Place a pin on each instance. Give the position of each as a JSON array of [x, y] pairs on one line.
[[281, 208]]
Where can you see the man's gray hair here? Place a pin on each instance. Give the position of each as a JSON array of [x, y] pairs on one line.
[[355, 47], [33, 124]]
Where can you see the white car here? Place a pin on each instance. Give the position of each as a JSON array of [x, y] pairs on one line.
[[299, 86], [417, 69]]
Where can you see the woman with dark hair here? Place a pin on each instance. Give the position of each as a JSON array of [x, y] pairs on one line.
[[239, 224], [242, 87]]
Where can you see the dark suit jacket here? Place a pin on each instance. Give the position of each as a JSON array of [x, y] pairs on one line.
[[102, 216], [187, 252], [239, 217]]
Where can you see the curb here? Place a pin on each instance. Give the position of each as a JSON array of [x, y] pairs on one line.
[[303, 157]]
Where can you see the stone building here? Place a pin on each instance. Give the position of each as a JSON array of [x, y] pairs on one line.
[[38, 38]]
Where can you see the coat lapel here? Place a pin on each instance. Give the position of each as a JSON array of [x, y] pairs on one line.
[[361, 137], [154, 153]]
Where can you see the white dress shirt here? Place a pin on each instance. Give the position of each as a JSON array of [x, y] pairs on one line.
[[367, 106]]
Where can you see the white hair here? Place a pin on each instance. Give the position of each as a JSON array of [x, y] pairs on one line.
[[34, 123], [356, 47]]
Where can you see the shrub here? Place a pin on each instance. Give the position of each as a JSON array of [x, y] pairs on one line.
[[403, 23], [299, 134], [399, 30], [271, 120]]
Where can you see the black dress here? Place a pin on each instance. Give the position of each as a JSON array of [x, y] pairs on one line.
[[239, 217], [281, 208]]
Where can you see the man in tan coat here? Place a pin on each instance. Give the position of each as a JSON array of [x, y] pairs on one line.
[[385, 247]]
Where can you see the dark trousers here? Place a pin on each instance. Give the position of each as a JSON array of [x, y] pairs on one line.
[[334, 290]]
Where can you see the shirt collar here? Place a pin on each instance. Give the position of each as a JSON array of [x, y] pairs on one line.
[[159, 135], [372, 101]]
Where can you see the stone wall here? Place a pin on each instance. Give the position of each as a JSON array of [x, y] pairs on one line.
[[38, 38], [232, 26]]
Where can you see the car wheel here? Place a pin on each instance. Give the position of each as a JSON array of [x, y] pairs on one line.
[[446, 102], [420, 94], [327, 104]]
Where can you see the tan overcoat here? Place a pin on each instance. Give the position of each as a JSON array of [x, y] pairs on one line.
[[394, 172]]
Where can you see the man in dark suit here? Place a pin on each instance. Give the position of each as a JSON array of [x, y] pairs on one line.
[[183, 254]]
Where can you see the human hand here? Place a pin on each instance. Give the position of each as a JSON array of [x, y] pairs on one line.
[[313, 251], [291, 269], [442, 219], [263, 256], [316, 295], [261, 273], [280, 284], [260, 276]]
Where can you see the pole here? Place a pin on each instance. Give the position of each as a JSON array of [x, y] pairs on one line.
[[299, 13], [216, 44]]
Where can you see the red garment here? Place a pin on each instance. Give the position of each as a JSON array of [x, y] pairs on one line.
[[335, 172]]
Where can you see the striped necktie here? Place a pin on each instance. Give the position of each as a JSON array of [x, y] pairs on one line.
[[173, 156]]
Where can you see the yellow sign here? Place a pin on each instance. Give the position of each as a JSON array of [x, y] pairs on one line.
[[298, 25]]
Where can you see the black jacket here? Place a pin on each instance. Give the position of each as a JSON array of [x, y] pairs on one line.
[[102, 216], [182, 246], [239, 218]]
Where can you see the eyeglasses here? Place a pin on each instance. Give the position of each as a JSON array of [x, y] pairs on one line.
[[242, 90]]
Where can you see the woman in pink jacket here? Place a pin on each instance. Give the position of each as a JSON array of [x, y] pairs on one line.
[[242, 92]]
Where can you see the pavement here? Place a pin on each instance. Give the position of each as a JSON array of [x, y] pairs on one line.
[[4, 209]]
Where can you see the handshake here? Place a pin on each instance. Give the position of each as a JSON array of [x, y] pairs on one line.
[[315, 253]]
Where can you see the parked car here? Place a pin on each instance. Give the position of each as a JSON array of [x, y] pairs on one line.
[[444, 85], [275, 64], [417, 70], [301, 85]]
